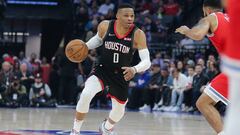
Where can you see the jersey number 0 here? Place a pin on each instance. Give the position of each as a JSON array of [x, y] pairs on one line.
[[115, 57]]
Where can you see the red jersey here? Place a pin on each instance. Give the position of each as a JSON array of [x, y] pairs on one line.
[[233, 47], [219, 37], [231, 55]]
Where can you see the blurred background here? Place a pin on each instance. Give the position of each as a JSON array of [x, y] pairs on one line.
[[36, 73]]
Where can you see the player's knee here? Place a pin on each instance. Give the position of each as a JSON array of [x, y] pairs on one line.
[[117, 112], [199, 103], [84, 101], [86, 96]]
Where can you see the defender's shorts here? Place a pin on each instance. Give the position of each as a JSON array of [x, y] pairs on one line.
[[218, 89]]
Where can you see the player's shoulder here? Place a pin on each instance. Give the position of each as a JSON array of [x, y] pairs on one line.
[[138, 32], [104, 24], [214, 16], [103, 27]]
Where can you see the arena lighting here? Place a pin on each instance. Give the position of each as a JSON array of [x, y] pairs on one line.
[[16, 33], [34, 2]]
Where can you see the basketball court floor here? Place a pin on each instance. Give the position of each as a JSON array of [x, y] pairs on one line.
[[29, 121]]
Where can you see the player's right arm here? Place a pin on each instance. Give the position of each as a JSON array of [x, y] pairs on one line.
[[97, 40], [199, 31]]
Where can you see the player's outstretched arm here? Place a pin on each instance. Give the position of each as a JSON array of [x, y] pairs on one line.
[[141, 44], [96, 40], [198, 32], [145, 63]]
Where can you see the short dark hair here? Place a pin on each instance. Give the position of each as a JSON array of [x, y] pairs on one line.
[[212, 3], [192, 67], [199, 65], [125, 5], [176, 70]]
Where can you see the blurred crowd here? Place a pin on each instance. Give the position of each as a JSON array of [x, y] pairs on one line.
[[169, 85], [24, 82], [157, 18]]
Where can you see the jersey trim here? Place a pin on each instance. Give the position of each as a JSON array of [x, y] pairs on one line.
[[125, 35], [109, 27], [119, 101], [215, 95], [133, 35], [212, 34], [230, 66], [101, 82]]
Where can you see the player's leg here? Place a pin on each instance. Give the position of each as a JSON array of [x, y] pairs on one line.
[[116, 114], [206, 103], [233, 119], [92, 87]]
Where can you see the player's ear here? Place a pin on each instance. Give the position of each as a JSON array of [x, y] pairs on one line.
[[209, 10], [117, 15]]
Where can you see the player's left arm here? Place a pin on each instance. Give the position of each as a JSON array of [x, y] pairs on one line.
[[198, 32], [140, 43]]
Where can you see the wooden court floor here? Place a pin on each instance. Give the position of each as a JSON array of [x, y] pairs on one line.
[[133, 123]]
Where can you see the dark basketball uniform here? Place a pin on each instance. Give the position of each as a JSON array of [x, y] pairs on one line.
[[116, 52]]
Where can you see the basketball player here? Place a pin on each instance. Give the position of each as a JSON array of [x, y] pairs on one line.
[[119, 39], [214, 25], [231, 66]]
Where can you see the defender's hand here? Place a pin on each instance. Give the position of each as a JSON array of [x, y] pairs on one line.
[[182, 30], [128, 72]]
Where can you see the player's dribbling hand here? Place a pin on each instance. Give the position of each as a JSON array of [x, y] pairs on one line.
[[128, 73], [182, 30]]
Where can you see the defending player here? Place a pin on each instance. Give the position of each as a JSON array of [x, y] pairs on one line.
[[214, 25], [231, 66]]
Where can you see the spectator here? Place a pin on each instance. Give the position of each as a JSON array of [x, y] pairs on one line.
[[104, 8], [110, 15], [138, 87], [34, 62], [16, 95], [166, 89], [158, 59], [171, 8], [40, 94], [180, 83], [211, 58], [6, 76], [188, 92], [199, 82], [180, 67], [201, 62], [23, 59], [212, 70], [152, 93], [37, 67], [16, 66], [25, 76]]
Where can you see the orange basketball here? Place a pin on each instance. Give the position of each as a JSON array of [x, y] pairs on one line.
[[76, 51]]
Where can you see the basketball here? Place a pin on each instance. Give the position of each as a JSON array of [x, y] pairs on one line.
[[76, 51]]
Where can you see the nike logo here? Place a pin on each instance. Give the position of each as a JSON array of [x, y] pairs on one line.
[[111, 35]]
